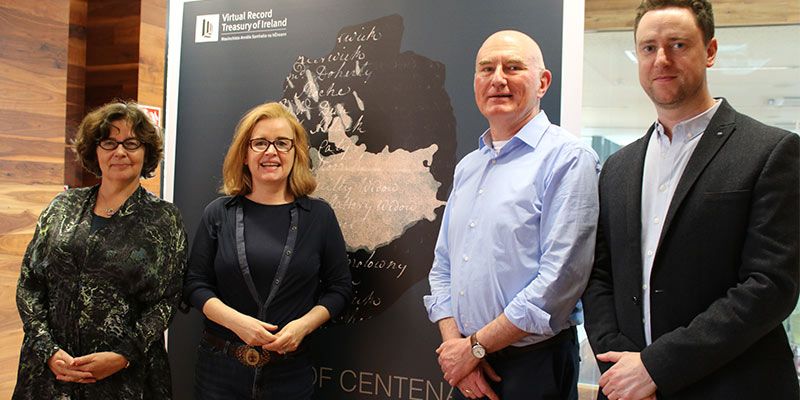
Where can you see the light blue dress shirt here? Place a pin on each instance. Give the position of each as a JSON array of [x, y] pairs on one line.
[[518, 234]]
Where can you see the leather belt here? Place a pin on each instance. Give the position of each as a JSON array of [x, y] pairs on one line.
[[512, 351], [250, 356]]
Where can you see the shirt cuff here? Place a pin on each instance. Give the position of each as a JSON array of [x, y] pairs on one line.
[[199, 298], [128, 349], [438, 307], [334, 303], [46, 351], [528, 318]]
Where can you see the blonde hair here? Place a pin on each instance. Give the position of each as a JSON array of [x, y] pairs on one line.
[[236, 178]]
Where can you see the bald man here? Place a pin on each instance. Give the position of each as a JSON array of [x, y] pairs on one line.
[[515, 246]]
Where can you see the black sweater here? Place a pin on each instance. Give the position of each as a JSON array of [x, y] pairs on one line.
[[317, 274]]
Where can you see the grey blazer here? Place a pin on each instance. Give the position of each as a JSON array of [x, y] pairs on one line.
[[726, 268]]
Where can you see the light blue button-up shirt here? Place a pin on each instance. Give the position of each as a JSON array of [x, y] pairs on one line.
[[518, 234]]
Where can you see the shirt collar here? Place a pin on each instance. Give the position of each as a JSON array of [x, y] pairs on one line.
[[530, 134], [690, 129]]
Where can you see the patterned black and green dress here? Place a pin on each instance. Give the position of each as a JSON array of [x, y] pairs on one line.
[[114, 289]]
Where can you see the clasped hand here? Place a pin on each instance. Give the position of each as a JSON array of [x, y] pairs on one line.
[[86, 369], [462, 370], [252, 331], [259, 333], [456, 359], [627, 379], [288, 339]]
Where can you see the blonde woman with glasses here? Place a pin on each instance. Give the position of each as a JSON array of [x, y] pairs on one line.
[[268, 265]]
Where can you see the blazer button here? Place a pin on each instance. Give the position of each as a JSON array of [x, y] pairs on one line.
[[635, 300]]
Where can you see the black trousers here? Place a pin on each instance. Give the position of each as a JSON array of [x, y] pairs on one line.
[[549, 372], [219, 376]]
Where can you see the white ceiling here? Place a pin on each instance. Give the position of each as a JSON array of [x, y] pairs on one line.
[[757, 70]]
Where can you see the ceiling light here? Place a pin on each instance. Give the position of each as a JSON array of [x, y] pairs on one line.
[[787, 101]]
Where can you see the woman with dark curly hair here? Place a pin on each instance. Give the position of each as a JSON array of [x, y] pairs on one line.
[[102, 276]]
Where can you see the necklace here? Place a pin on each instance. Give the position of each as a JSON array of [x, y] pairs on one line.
[[106, 210]]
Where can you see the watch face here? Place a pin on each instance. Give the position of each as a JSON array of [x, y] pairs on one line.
[[478, 351]]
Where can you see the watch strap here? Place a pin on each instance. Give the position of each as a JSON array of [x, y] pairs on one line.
[[476, 348]]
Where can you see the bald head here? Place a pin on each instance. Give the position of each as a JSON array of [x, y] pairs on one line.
[[527, 47], [510, 80]]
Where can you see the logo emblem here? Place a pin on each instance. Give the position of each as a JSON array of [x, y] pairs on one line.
[[207, 28]]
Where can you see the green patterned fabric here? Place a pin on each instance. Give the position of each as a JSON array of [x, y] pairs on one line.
[[113, 290]]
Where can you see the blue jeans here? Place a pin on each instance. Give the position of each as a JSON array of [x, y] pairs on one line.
[[219, 376]]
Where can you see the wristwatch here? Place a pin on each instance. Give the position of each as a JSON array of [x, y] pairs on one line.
[[478, 351]]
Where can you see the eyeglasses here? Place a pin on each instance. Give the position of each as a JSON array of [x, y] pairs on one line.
[[261, 145], [127, 144]]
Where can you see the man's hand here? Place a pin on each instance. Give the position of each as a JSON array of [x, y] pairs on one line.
[[60, 364], [456, 359], [100, 365], [475, 386], [627, 379]]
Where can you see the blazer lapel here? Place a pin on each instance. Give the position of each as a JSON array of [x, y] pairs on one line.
[[716, 134], [634, 201]]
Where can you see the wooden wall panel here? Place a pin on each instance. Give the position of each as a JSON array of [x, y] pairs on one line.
[[609, 15], [20, 123], [21, 205], [152, 52], [74, 174], [112, 51], [152, 57], [33, 87]]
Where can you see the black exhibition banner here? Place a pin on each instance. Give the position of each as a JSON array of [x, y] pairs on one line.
[[384, 89]]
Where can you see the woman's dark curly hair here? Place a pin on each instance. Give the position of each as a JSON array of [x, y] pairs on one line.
[[96, 126]]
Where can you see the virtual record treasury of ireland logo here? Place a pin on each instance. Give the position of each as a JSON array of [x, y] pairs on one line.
[[244, 25]]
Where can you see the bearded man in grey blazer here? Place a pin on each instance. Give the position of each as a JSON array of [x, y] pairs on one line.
[[696, 261]]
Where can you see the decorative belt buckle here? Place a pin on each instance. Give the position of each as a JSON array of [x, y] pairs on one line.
[[252, 357]]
